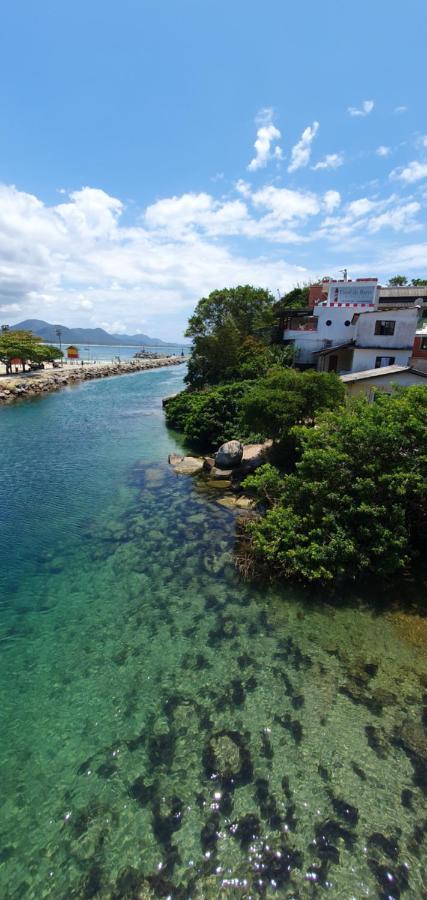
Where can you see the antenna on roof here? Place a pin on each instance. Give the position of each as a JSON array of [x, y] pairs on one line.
[[344, 272]]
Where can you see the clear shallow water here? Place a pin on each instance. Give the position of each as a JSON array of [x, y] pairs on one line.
[[167, 730]]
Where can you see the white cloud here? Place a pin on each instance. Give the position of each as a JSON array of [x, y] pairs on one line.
[[364, 110], [382, 150], [331, 200], [361, 207], [76, 262], [400, 109], [243, 187], [81, 262], [300, 154], [267, 135], [414, 171], [399, 219], [286, 205], [330, 161], [366, 216]]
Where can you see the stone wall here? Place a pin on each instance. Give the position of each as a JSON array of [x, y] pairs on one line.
[[39, 383]]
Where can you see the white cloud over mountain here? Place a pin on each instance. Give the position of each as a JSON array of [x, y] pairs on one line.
[[85, 260]]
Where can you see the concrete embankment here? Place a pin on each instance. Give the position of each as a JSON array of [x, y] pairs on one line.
[[39, 383]]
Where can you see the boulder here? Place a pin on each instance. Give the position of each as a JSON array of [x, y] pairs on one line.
[[187, 465], [220, 474], [229, 455]]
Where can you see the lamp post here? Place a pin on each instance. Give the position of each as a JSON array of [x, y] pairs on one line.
[[59, 336]]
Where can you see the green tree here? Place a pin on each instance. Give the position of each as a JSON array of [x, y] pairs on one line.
[[419, 282], [297, 298], [357, 502], [219, 325], [250, 308], [287, 397], [208, 418], [26, 346], [398, 281]]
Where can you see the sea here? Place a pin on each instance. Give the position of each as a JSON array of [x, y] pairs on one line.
[[169, 730], [106, 352]]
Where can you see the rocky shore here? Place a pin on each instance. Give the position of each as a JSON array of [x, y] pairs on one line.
[[225, 472], [39, 383]]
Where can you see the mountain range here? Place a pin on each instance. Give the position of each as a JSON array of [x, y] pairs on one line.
[[86, 335]]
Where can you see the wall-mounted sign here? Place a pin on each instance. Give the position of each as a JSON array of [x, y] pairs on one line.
[[352, 292]]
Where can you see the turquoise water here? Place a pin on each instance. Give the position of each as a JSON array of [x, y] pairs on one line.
[[107, 352], [166, 729]]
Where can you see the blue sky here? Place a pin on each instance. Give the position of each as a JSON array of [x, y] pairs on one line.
[[130, 180]]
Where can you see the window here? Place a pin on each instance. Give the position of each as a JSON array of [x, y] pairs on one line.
[[347, 323], [423, 343], [381, 361], [385, 326], [328, 322]]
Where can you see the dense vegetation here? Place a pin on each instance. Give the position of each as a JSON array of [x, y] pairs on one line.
[[356, 502], [346, 496], [208, 418], [25, 347], [253, 409]]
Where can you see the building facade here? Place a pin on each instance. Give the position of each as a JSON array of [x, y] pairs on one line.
[[367, 383], [350, 331], [419, 351]]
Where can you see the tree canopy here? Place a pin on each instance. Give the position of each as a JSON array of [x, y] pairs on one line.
[[402, 281], [231, 331], [287, 397], [25, 346], [249, 308], [297, 298], [398, 281], [356, 503]]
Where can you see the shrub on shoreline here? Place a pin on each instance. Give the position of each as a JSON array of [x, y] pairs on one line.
[[357, 502]]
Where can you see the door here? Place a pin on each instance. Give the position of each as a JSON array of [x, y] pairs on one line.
[[333, 363]]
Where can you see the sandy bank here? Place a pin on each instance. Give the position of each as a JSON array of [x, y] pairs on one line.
[[37, 383]]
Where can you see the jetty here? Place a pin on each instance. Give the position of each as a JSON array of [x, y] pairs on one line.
[[32, 384]]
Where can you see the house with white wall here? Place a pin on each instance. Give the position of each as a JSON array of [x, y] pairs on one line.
[[350, 332]]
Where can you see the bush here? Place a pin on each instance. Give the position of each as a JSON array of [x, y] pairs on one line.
[[357, 502], [208, 418], [287, 397]]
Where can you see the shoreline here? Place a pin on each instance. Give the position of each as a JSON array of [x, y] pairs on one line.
[[43, 382]]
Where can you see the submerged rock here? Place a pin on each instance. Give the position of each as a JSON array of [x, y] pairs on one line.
[[225, 755], [186, 465], [229, 455]]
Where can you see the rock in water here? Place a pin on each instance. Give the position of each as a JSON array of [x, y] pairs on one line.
[[186, 465], [225, 754], [229, 455]]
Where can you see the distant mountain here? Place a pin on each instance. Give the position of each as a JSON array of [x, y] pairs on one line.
[[86, 335]]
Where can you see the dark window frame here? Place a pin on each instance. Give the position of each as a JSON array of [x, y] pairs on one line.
[[385, 327], [423, 343], [391, 361]]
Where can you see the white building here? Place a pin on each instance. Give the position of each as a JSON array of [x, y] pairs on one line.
[[349, 332], [385, 379]]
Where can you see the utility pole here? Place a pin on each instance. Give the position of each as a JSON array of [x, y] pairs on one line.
[[59, 336]]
